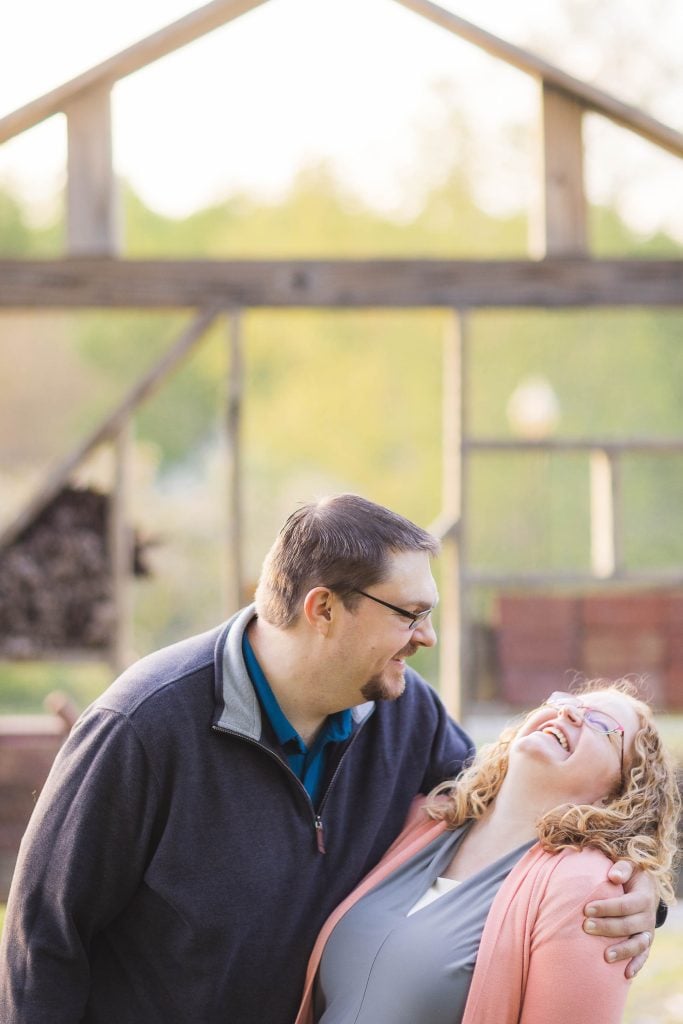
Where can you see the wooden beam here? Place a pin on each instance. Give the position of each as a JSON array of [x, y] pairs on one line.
[[672, 577], [605, 514], [388, 284], [565, 230], [453, 632], [194, 25], [614, 446], [109, 427], [588, 95], [92, 200]]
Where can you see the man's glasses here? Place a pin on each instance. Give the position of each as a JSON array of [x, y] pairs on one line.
[[598, 721], [415, 617]]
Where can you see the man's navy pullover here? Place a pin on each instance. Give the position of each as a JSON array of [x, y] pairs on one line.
[[173, 871]]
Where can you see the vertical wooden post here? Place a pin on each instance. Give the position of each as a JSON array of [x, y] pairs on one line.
[[235, 391], [92, 201], [605, 490], [453, 636], [562, 226], [121, 550]]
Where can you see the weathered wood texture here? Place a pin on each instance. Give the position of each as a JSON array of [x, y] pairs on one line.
[[565, 230], [92, 191], [605, 517], [588, 95], [139, 55], [612, 445], [453, 642], [394, 283]]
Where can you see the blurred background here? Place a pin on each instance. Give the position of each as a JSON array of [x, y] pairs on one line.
[[322, 128]]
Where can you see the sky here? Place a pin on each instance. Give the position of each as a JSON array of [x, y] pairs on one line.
[[386, 99]]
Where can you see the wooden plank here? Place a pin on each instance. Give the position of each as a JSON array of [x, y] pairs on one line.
[[641, 445], [582, 92], [133, 58], [110, 426], [672, 577], [603, 511], [453, 619], [389, 284], [565, 230], [92, 200]]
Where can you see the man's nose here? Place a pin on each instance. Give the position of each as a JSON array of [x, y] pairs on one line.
[[424, 633]]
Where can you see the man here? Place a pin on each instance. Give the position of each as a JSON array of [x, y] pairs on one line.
[[213, 806]]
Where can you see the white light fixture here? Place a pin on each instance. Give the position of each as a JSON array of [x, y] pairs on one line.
[[533, 410]]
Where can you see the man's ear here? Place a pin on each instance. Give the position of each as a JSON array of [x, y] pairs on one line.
[[319, 608]]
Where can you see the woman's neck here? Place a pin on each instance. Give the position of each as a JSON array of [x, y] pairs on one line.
[[509, 822]]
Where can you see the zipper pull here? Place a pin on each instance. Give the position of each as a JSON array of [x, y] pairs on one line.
[[319, 834]]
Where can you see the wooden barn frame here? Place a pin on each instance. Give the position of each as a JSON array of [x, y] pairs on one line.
[[93, 275]]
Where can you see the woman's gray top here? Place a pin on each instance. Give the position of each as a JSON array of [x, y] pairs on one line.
[[383, 965]]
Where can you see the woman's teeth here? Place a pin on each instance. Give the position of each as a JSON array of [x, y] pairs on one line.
[[550, 730]]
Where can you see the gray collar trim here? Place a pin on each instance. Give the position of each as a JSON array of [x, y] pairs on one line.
[[241, 711]]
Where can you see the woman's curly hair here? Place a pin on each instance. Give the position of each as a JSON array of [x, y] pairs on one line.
[[638, 822]]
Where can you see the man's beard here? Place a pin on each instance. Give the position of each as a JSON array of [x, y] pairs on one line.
[[377, 688]]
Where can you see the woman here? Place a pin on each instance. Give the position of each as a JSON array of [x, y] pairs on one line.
[[474, 916]]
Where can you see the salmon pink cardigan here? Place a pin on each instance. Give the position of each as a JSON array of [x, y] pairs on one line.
[[535, 963]]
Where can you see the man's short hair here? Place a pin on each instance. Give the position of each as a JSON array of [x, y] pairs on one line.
[[343, 542]]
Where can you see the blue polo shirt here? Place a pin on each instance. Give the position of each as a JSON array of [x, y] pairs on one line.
[[308, 764]]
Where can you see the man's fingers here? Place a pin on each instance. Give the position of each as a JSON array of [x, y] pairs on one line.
[[634, 966], [619, 927], [621, 871], [635, 946], [635, 950], [629, 905]]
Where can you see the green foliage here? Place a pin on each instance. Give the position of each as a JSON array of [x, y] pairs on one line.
[[351, 400], [25, 685], [18, 238], [15, 234], [122, 346]]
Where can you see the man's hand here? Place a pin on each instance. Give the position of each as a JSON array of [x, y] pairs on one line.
[[631, 915]]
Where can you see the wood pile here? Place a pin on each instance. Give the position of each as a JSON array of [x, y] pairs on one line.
[[55, 579]]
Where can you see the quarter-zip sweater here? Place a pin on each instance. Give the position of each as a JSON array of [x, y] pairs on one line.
[[172, 871]]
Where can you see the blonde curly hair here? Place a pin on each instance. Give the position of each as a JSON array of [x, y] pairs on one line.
[[638, 823]]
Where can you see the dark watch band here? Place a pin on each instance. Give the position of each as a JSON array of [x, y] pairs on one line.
[[662, 911]]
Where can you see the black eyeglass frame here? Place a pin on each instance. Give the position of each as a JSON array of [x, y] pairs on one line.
[[564, 700], [415, 617]]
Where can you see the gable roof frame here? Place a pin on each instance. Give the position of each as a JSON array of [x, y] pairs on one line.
[[566, 277], [92, 213]]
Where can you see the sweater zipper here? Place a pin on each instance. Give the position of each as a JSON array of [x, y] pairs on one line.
[[317, 823], [317, 816]]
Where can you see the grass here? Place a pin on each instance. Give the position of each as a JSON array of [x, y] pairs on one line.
[[656, 995], [24, 685]]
